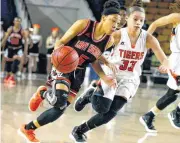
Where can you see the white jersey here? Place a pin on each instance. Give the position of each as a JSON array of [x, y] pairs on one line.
[[174, 58], [36, 38], [129, 59], [175, 39]]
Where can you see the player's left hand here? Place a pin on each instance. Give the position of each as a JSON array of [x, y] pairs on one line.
[[163, 69]]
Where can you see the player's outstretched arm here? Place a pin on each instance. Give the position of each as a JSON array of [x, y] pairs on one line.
[[169, 19], [153, 43]]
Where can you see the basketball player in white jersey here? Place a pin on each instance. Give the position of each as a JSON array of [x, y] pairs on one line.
[[132, 45], [50, 43], [174, 75], [34, 51]]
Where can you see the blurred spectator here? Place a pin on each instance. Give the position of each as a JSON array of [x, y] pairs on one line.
[[34, 51], [50, 43]]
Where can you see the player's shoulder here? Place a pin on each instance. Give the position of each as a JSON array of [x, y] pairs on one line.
[[83, 22]]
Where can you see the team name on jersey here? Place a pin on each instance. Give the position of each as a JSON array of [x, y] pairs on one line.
[[15, 35], [92, 49], [131, 54]]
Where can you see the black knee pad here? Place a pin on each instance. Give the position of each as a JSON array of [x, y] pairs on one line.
[[61, 99], [57, 97], [100, 104], [118, 103], [167, 99]]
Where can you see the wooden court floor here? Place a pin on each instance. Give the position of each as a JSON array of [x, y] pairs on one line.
[[125, 128]]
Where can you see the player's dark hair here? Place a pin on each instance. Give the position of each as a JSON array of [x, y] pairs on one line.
[[123, 8], [137, 5], [111, 7]]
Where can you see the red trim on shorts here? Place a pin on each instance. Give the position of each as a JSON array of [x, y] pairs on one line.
[[85, 29], [63, 78], [92, 35]]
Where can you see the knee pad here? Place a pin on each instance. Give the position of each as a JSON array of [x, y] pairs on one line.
[[167, 99], [57, 97], [118, 103], [100, 104]]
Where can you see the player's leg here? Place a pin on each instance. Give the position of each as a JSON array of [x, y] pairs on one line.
[[8, 55], [174, 117], [58, 98], [162, 103], [107, 107], [78, 133], [85, 97]]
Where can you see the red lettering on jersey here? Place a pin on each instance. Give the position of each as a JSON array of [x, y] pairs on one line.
[[133, 55], [82, 45], [14, 41], [138, 55], [128, 54], [121, 52], [82, 59], [124, 54], [127, 65], [142, 55], [94, 51]]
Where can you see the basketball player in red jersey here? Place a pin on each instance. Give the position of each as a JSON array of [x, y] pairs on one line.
[[90, 39], [14, 52]]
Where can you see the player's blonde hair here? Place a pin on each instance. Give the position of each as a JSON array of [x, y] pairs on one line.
[[137, 5]]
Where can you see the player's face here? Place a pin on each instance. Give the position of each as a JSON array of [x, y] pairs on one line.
[[54, 33], [136, 20], [17, 21], [110, 23], [36, 30], [123, 15]]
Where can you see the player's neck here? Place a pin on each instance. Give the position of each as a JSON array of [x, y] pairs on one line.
[[133, 33], [99, 31], [16, 27]]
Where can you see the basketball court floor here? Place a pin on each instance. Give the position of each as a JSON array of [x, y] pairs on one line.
[[125, 128]]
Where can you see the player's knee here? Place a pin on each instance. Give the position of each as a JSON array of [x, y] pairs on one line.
[[167, 99], [118, 103], [100, 104], [61, 98], [109, 116], [58, 97]]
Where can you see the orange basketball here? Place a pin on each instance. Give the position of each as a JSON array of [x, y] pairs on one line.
[[65, 59]]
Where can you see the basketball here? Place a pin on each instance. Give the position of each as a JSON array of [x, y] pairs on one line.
[[65, 59]]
